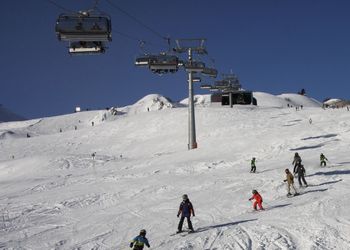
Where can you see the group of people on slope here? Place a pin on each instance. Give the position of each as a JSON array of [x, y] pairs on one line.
[[186, 209], [298, 171]]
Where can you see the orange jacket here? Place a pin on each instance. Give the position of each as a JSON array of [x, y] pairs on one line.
[[257, 197]]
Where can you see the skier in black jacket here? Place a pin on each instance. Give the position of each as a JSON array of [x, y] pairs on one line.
[[296, 160], [185, 210], [301, 174]]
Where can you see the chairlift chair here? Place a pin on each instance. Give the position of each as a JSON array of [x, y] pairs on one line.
[[194, 66], [83, 27], [163, 63], [210, 72]]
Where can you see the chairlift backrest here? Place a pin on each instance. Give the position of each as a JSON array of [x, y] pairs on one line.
[[79, 27]]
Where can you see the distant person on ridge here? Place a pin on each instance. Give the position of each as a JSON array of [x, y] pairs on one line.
[[258, 200], [185, 210], [323, 160], [301, 174], [253, 166], [290, 182], [295, 162], [139, 241]]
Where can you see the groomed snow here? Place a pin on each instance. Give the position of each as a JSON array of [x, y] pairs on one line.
[[54, 195]]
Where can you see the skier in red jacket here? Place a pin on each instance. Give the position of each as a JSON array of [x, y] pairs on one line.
[[258, 200]]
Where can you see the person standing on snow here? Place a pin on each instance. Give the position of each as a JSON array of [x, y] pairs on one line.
[[185, 210], [301, 174], [253, 166], [323, 160], [258, 200], [290, 181], [296, 160], [139, 241]]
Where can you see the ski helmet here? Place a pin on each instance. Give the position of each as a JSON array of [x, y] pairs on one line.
[[287, 170], [143, 232], [185, 197], [254, 191]]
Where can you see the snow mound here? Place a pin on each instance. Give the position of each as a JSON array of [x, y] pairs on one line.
[[7, 115], [332, 101], [268, 100], [9, 135], [199, 100], [298, 100], [150, 102], [283, 100]]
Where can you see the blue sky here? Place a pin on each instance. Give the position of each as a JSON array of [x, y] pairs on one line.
[[274, 46]]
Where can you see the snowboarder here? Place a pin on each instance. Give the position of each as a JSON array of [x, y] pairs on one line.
[[258, 200], [253, 166], [290, 181], [323, 160], [296, 159], [139, 241], [185, 210], [301, 174]]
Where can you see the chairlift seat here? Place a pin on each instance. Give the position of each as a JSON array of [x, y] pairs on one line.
[[194, 66], [86, 48]]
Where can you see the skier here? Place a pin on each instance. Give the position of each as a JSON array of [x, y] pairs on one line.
[[290, 181], [323, 160], [258, 200], [139, 241], [296, 159], [185, 210], [301, 174], [253, 166], [93, 155]]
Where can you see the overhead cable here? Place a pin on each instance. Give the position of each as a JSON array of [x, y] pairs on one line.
[[136, 19]]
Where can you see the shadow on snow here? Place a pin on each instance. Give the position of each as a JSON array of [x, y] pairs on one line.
[[230, 224], [335, 172], [318, 137]]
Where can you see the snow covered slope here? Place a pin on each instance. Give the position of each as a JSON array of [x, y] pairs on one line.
[[54, 195]]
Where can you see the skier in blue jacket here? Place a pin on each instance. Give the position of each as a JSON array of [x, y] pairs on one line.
[[185, 210], [139, 241]]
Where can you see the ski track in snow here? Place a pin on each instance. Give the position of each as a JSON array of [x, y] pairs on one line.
[[53, 195]]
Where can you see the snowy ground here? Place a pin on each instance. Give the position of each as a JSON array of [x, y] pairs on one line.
[[53, 195]]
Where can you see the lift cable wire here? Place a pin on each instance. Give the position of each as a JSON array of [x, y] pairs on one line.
[[60, 6], [136, 20]]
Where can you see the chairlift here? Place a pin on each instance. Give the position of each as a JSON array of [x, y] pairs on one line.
[[163, 63], [86, 32], [83, 27], [210, 72], [194, 66]]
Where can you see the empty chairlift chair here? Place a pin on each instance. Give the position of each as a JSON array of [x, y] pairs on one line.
[[86, 33], [163, 63], [194, 66], [210, 72]]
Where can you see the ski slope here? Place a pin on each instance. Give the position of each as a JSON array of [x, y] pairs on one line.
[[54, 195]]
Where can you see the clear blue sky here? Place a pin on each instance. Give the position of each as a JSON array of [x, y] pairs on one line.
[[273, 45]]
